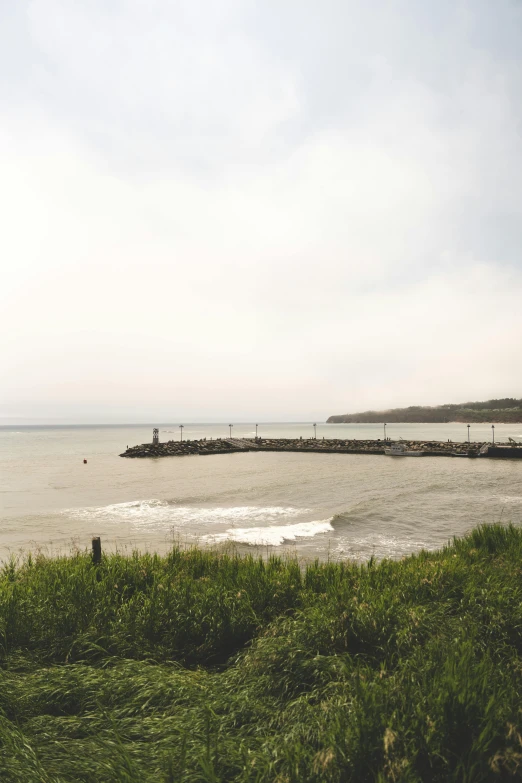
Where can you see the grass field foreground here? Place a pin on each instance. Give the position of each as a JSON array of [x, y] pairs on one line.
[[200, 666]]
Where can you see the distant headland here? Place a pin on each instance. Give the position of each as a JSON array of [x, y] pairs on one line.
[[504, 411]]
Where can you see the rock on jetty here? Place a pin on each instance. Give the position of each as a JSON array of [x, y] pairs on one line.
[[326, 446]]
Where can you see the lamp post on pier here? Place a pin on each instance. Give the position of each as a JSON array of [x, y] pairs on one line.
[[493, 434], [385, 432], [181, 430], [468, 434], [315, 431], [230, 429]]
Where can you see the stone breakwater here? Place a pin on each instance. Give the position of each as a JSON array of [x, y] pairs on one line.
[[327, 446]]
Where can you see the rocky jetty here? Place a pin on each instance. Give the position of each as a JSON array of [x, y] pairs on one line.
[[327, 446], [176, 448]]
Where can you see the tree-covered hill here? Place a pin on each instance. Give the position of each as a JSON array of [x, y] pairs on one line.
[[506, 410]]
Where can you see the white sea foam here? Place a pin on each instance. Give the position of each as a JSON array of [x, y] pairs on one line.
[[510, 499], [273, 535], [165, 514], [379, 546]]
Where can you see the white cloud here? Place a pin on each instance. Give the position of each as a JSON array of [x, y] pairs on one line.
[[234, 208]]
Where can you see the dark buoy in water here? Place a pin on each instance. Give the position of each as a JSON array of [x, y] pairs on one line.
[[85, 462]]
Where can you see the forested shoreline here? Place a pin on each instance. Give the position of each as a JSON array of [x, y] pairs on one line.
[[502, 411]]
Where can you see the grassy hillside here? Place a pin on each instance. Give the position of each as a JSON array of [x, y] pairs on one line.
[[204, 667], [501, 411]]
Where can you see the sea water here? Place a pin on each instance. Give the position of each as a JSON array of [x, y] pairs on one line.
[[312, 505]]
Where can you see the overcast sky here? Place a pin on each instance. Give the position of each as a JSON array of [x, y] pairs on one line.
[[258, 210]]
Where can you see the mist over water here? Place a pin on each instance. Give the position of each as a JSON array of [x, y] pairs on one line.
[[314, 505]]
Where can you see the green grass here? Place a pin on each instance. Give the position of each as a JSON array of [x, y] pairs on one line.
[[206, 667]]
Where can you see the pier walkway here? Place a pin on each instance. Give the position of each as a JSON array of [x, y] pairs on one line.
[[243, 444]]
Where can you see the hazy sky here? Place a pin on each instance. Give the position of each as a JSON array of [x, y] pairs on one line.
[[258, 210]]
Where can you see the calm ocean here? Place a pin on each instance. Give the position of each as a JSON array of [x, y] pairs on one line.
[[316, 505]]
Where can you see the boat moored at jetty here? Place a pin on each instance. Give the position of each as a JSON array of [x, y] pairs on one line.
[[399, 450]]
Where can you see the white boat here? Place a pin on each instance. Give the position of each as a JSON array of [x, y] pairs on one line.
[[399, 450]]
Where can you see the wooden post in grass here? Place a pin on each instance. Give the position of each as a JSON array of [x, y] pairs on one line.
[[96, 550]]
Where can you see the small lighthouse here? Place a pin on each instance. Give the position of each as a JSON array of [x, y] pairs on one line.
[[155, 436]]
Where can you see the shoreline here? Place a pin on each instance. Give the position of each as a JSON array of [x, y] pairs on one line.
[[391, 420]]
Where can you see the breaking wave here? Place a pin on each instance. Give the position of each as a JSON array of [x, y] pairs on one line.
[[167, 514], [274, 535]]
